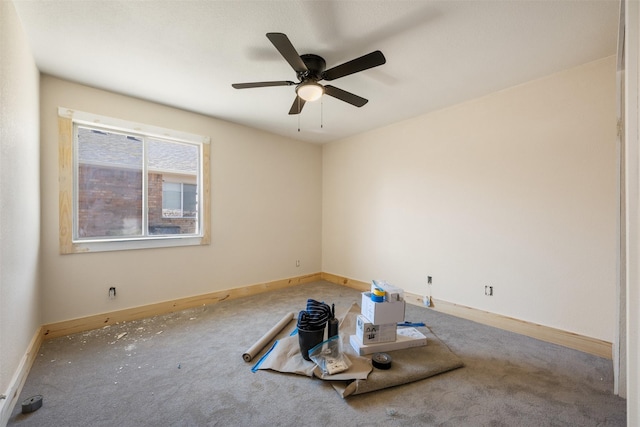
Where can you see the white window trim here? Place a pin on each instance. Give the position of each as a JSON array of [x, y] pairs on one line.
[[66, 120], [127, 126]]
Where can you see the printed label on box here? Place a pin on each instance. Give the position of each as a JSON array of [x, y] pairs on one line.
[[368, 333]]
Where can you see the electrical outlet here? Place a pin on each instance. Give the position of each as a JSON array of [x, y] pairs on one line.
[[488, 290], [297, 263], [429, 280], [112, 292]]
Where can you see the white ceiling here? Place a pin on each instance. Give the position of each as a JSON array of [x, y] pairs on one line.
[[187, 54]]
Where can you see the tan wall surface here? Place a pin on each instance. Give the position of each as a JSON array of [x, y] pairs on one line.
[[19, 199], [516, 190], [265, 215]]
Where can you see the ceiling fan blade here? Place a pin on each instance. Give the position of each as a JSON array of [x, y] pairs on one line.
[[345, 96], [362, 63], [296, 108], [262, 84], [288, 52]]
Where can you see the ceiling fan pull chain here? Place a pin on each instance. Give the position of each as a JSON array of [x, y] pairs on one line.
[[298, 99], [321, 112]]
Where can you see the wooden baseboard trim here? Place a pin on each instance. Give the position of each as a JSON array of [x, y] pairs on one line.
[[350, 283], [97, 321], [17, 382], [544, 333]]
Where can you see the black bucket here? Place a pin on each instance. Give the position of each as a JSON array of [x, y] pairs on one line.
[[308, 340]]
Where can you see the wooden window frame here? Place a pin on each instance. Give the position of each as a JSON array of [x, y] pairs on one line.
[[66, 120]]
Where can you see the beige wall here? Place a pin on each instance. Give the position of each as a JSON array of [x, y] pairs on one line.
[[632, 205], [516, 190], [19, 197], [266, 214]]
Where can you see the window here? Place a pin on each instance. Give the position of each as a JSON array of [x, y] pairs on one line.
[[131, 186]]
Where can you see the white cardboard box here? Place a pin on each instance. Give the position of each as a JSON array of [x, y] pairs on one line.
[[381, 313], [368, 333], [392, 293], [405, 338]]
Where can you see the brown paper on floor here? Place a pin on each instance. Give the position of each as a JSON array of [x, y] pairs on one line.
[[408, 365], [286, 357]]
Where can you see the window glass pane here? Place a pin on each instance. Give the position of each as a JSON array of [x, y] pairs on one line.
[[109, 196], [173, 157], [189, 200], [173, 176], [171, 200]]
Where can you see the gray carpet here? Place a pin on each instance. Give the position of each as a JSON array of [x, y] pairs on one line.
[[186, 369]]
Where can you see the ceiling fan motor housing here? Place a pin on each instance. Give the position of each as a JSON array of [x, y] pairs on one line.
[[315, 66]]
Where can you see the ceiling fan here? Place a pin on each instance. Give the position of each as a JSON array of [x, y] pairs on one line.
[[310, 69]]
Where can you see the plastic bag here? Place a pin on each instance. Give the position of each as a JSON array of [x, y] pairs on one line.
[[329, 357]]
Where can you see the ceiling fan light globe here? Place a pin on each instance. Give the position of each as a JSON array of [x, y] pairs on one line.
[[310, 91]]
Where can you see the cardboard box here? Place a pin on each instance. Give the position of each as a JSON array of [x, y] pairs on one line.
[[368, 333], [405, 338], [381, 313], [392, 293]]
